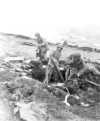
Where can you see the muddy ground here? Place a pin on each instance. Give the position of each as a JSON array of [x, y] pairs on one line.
[[55, 108]]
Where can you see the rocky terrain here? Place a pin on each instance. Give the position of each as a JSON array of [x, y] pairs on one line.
[[36, 103]]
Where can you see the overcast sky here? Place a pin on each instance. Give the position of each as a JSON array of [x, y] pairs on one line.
[[20, 14]]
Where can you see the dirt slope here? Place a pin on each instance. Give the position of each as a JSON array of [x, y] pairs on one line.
[[57, 111], [12, 46]]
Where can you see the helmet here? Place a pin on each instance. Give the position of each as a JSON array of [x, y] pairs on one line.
[[60, 46], [37, 34], [76, 55]]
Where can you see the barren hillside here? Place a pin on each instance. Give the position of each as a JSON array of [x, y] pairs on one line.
[[15, 45]]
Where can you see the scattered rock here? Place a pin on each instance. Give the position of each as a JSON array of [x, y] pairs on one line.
[[31, 111]]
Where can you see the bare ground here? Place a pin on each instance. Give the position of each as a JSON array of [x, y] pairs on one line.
[[56, 110], [11, 46]]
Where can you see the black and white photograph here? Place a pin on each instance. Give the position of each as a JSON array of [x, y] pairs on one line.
[[49, 60]]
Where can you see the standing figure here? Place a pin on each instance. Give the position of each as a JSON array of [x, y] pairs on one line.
[[55, 55], [42, 46]]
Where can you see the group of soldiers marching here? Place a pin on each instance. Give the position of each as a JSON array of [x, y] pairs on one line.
[[74, 63]]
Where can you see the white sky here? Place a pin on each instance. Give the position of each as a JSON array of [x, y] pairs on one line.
[[20, 14]]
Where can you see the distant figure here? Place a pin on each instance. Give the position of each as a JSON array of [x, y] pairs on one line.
[[55, 55], [65, 43], [42, 46]]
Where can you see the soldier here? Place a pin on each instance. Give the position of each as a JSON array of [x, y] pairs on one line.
[[42, 46], [75, 65], [55, 55]]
